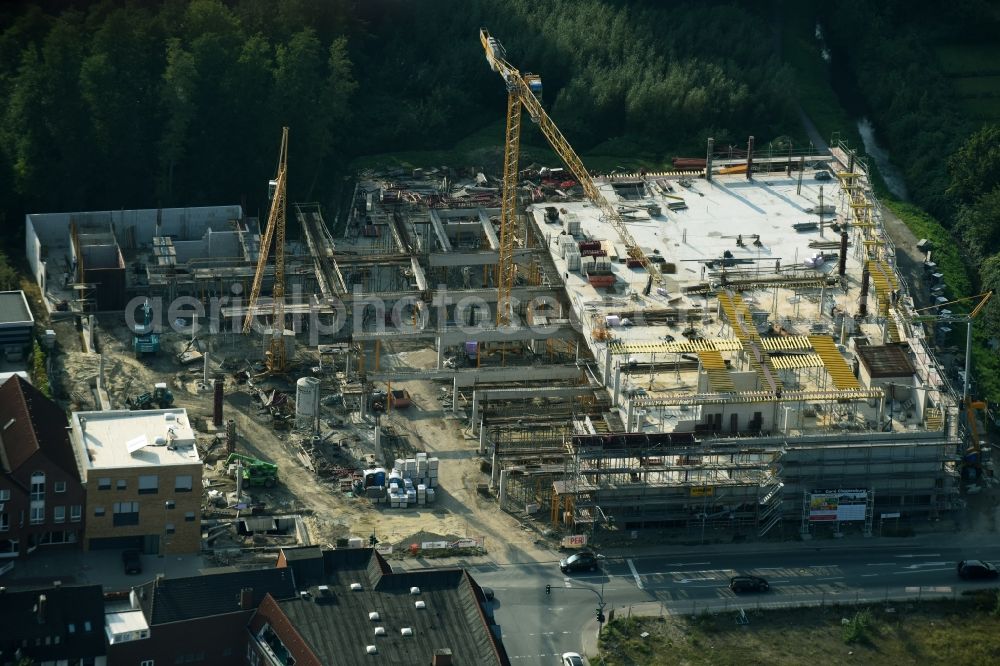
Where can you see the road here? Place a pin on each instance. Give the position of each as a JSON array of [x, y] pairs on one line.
[[538, 627]]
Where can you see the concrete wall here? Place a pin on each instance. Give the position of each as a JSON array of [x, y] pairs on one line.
[[153, 512]]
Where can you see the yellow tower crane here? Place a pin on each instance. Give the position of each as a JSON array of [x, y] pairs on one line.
[[276, 359], [523, 90]]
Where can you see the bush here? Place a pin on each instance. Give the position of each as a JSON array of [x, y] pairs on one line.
[[856, 629], [39, 373]]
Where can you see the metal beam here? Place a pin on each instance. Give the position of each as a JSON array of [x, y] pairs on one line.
[[439, 231], [470, 376]]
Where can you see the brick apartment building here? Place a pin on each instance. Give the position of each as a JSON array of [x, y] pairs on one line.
[[54, 626], [41, 491], [143, 480], [197, 620], [353, 609]]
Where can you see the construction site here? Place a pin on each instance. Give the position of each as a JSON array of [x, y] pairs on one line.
[[727, 349]]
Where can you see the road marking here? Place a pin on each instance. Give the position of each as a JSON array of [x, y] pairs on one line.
[[780, 581], [922, 555], [913, 571], [868, 575], [882, 564], [925, 564], [831, 578], [635, 574]]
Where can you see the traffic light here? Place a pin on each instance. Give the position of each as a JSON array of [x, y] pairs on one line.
[[372, 541], [548, 589], [600, 616]]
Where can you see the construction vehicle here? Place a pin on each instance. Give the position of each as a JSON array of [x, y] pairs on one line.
[[160, 397], [144, 339], [255, 472], [525, 90], [275, 356]]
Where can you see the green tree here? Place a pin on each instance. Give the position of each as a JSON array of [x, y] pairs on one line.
[[978, 225], [975, 167]]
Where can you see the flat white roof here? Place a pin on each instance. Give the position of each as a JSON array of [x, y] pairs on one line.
[[117, 623], [135, 438]]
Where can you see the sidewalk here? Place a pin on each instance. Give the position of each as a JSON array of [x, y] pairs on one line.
[[952, 539]]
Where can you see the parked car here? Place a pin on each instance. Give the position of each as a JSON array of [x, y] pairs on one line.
[[132, 562], [571, 659], [488, 593], [582, 561], [748, 584], [822, 175], [976, 570]]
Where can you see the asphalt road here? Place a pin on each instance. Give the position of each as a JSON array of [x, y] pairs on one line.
[[538, 627]]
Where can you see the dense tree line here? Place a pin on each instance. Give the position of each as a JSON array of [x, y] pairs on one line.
[[951, 162], [123, 104]]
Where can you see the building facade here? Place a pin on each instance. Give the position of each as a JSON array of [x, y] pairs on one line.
[[143, 480], [41, 491]]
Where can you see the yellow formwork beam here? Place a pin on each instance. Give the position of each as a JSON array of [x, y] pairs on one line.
[[835, 365]]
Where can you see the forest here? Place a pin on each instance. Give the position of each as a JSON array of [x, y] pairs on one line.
[[126, 104], [123, 104]]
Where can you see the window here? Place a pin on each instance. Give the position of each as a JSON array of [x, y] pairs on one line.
[[4, 522], [170, 504], [59, 486], [149, 485], [104, 484], [170, 529], [38, 485], [37, 515], [147, 662], [126, 513], [121, 484], [183, 484], [98, 510], [189, 516], [59, 514], [4, 494], [75, 513]]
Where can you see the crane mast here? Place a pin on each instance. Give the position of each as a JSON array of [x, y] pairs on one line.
[[276, 359], [521, 94]]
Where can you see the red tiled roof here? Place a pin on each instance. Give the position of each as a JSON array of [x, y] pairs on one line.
[[30, 422]]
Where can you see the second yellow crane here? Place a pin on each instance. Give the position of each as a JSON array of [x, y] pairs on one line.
[[275, 358], [523, 90]]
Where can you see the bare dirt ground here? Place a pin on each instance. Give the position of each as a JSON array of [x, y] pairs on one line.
[[459, 511]]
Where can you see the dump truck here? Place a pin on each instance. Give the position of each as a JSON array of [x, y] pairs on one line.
[[256, 472]]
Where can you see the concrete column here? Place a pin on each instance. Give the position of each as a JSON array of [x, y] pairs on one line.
[[607, 366], [378, 445], [482, 439], [502, 495], [454, 396], [474, 416], [347, 365], [440, 350], [493, 469], [708, 159], [629, 413], [618, 384]]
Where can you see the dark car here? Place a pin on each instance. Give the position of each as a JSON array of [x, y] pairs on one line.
[[488, 593], [748, 584], [582, 561], [132, 562], [976, 570]]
